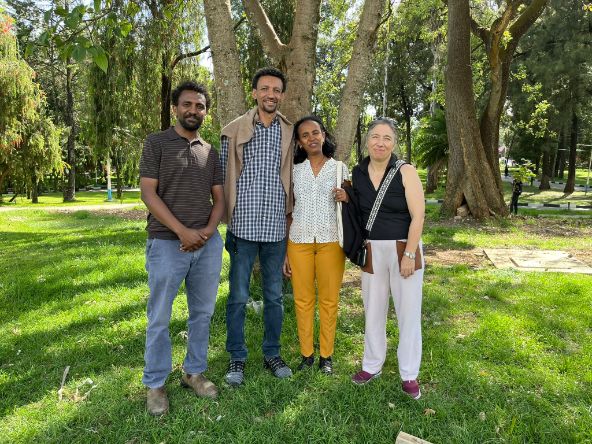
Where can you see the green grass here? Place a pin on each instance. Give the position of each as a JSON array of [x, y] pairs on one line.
[[507, 355], [534, 195], [82, 198]]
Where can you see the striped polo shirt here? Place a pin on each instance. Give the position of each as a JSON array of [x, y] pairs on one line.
[[186, 172]]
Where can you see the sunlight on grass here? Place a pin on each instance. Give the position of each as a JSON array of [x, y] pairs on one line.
[[507, 356]]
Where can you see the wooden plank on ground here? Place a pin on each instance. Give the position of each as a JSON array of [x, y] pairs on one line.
[[406, 438]]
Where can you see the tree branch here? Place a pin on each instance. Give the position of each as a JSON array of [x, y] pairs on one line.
[[479, 31], [527, 18], [200, 51], [269, 39]]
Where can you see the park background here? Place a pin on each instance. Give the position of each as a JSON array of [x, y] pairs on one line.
[[474, 86]]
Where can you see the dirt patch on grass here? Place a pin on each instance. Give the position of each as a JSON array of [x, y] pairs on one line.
[[474, 258]]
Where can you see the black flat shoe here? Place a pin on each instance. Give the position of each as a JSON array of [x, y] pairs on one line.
[[326, 365], [306, 363]]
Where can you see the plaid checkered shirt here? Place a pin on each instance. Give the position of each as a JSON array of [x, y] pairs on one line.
[[260, 211]]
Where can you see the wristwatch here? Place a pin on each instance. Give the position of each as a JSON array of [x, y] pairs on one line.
[[409, 255]]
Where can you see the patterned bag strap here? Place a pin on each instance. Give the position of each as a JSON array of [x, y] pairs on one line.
[[381, 192]]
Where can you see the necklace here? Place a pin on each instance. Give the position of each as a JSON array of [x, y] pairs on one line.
[[316, 168]]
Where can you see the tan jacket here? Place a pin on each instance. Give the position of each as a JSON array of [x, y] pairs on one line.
[[239, 132]]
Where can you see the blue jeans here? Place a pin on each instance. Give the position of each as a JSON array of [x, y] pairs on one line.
[[242, 256], [167, 267]]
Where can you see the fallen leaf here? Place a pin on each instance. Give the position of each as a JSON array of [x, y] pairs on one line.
[[482, 416], [391, 405], [429, 412]]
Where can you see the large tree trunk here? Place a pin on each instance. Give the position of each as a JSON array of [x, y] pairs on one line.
[[470, 175], [357, 76], [297, 58], [70, 188], [227, 73], [573, 151], [515, 21]]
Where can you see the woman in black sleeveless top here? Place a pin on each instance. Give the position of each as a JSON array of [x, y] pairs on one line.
[[398, 224]]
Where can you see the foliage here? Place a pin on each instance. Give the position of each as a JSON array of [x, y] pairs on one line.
[[525, 171], [20, 96], [431, 140]]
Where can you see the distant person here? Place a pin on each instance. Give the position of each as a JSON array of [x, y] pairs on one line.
[[516, 192], [396, 257], [315, 261], [181, 184], [257, 158]]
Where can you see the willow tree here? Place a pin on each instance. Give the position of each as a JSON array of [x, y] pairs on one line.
[[473, 169], [20, 97], [29, 140]]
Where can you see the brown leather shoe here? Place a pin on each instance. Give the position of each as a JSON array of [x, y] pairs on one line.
[[200, 385], [157, 401]]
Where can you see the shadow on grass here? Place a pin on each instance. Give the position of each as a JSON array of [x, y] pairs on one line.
[[486, 371]]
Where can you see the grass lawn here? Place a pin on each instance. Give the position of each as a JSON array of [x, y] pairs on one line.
[[82, 198], [507, 355], [534, 195]]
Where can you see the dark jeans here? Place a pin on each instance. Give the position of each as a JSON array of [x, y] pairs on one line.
[[514, 203], [242, 257]]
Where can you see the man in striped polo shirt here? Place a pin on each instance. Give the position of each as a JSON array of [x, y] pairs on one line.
[[179, 173], [257, 157]]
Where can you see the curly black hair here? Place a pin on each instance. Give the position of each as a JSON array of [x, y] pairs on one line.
[[328, 146], [190, 85], [269, 71]]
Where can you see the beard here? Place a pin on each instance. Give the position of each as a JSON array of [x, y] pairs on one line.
[[190, 125]]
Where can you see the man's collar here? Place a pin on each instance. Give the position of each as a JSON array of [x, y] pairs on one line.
[[174, 135]]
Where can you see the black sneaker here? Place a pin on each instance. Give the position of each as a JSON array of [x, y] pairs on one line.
[[326, 365], [306, 363], [277, 366], [236, 373]]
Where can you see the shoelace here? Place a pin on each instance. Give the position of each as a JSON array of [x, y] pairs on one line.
[[275, 363], [236, 366]]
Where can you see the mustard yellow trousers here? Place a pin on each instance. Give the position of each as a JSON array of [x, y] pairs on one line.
[[323, 264]]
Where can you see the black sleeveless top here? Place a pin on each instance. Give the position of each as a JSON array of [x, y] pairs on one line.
[[393, 218]]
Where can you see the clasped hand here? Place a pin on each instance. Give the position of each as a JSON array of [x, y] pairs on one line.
[[192, 239]]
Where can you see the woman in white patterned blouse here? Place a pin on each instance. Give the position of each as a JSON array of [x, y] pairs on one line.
[[314, 254]]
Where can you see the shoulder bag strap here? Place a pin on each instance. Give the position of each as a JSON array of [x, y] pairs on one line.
[[381, 192]]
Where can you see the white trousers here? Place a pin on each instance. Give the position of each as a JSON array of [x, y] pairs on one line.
[[407, 295]]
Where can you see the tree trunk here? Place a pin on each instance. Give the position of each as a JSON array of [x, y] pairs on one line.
[[165, 92], [297, 58], [34, 190], [433, 175], [408, 136], [70, 188], [358, 74], [227, 73], [573, 151], [470, 175], [546, 170], [515, 22], [407, 114], [562, 153]]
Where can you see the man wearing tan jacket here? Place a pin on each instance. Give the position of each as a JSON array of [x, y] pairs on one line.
[[257, 158]]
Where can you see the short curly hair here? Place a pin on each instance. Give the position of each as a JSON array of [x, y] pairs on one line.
[[190, 85], [269, 71]]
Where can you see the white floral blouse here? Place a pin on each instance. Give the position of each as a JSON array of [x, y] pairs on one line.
[[314, 217]]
